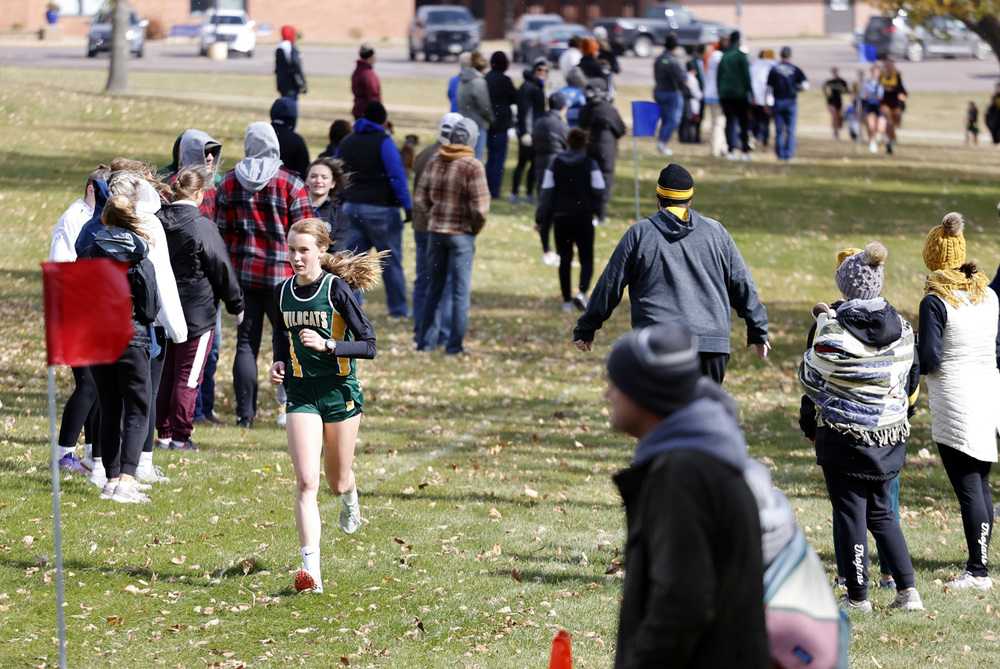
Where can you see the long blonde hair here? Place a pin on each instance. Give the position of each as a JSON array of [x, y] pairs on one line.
[[119, 212], [361, 272]]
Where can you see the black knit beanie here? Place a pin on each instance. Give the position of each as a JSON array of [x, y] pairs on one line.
[[657, 367]]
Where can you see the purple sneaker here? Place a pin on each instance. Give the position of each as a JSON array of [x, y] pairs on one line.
[[73, 464]]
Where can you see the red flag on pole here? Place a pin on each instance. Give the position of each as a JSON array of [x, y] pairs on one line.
[[88, 311]]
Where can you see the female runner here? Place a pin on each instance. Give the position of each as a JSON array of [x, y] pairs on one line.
[[327, 331]]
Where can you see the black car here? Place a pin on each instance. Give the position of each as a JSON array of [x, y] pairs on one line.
[[443, 30]]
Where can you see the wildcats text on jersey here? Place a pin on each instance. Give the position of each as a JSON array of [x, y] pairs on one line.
[[314, 319]]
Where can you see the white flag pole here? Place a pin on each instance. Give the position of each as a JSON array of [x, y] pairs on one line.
[[57, 523]]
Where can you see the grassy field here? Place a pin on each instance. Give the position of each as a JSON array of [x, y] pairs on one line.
[[491, 518]]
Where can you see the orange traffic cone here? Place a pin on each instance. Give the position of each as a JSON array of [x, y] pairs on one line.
[[562, 658]]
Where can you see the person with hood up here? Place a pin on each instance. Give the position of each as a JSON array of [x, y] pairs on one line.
[[605, 126], [123, 387], [81, 411], [957, 350], [288, 65], [573, 93], [420, 239], [735, 91], [292, 148], [502, 96], [453, 197], [530, 106], [199, 150], [364, 81], [858, 375], [708, 278], [256, 202], [693, 593], [569, 197], [474, 99], [379, 188], [548, 138], [204, 276]]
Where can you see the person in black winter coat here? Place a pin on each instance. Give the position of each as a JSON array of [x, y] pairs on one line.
[[502, 96], [548, 139], [326, 180], [339, 129], [569, 197], [605, 125], [530, 106], [288, 65], [204, 275], [292, 148]]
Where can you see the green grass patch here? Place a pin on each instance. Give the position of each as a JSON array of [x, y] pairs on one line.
[[491, 518]]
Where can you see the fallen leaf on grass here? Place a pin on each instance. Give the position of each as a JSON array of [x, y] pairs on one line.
[[179, 560]]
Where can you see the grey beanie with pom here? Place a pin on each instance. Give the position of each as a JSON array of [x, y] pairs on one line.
[[861, 275]]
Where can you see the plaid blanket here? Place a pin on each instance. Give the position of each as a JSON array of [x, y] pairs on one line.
[[859, 390]]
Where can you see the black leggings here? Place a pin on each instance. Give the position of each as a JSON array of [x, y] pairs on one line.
[[970, 478], [82, 411], [737, 111], [259, 304], [123, 390], [155, 373], [860, 505], [525, 159], [567, 231]]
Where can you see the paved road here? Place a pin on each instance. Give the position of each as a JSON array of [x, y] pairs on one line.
[[814, 56]]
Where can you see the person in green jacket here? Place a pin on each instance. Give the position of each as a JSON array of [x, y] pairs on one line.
[[734, 95]]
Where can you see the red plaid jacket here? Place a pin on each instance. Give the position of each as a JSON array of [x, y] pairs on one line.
[[255, 226]]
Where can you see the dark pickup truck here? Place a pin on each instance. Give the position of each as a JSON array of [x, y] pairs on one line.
[[639, 35]]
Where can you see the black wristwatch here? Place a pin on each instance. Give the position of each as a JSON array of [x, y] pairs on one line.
[[331, 345]]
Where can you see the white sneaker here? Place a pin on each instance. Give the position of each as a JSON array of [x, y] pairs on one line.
[[909, 601], [847, 604], [568, 307], [163, 443], [97, 479], [872, 147], [731, 156], [154, 475], [282, 416], [967, 580], [108, 490], [350, 518], [580, 301], [550, 258], [129, 493], [746, 157], [664, 149]]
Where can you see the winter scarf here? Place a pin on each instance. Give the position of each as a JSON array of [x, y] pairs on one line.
[[859, 390], [944, 283]]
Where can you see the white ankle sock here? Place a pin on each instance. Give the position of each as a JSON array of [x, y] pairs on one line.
[[145, 462], [98, 470], [350, 497], [66, 450], [310, 561]]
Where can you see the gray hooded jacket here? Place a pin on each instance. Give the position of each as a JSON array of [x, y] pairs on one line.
[[262, 161], [474, 98], [194, 145]]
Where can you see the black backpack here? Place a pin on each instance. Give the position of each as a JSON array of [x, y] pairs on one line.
[[145, 299]]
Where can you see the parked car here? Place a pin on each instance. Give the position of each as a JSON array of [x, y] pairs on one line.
[[553, 40], [640, 35], [231, 26], [443, 30], [99, 35], [524, 36], [940, 36]]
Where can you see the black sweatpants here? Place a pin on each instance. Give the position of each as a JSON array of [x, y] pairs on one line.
[[82, 411], [737, 111], [860, 505], [567, 231], [155, 374], [525, 160], [970, 479], [123, 390], [259, 304], [713, 365]]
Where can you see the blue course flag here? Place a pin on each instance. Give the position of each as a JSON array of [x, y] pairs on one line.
[[867, 53], [645, 116]]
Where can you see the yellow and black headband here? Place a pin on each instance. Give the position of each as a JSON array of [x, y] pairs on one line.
[[675, 183]]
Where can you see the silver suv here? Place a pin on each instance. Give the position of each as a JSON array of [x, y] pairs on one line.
[[940, 36], [99, 35]]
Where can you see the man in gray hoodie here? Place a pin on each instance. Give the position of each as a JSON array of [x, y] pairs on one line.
[[199, 149], [256, 203], [682, 267], [474, 99]]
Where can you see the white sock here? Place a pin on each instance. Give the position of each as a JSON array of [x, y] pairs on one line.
[[66, 450], [98, 471], [350, 497], [145, 462], [88, 451], [310, 561]]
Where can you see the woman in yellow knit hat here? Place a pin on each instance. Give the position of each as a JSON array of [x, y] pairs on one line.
[[957, 353]]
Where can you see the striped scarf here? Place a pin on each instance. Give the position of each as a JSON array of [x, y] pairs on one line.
[[859, 390]]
